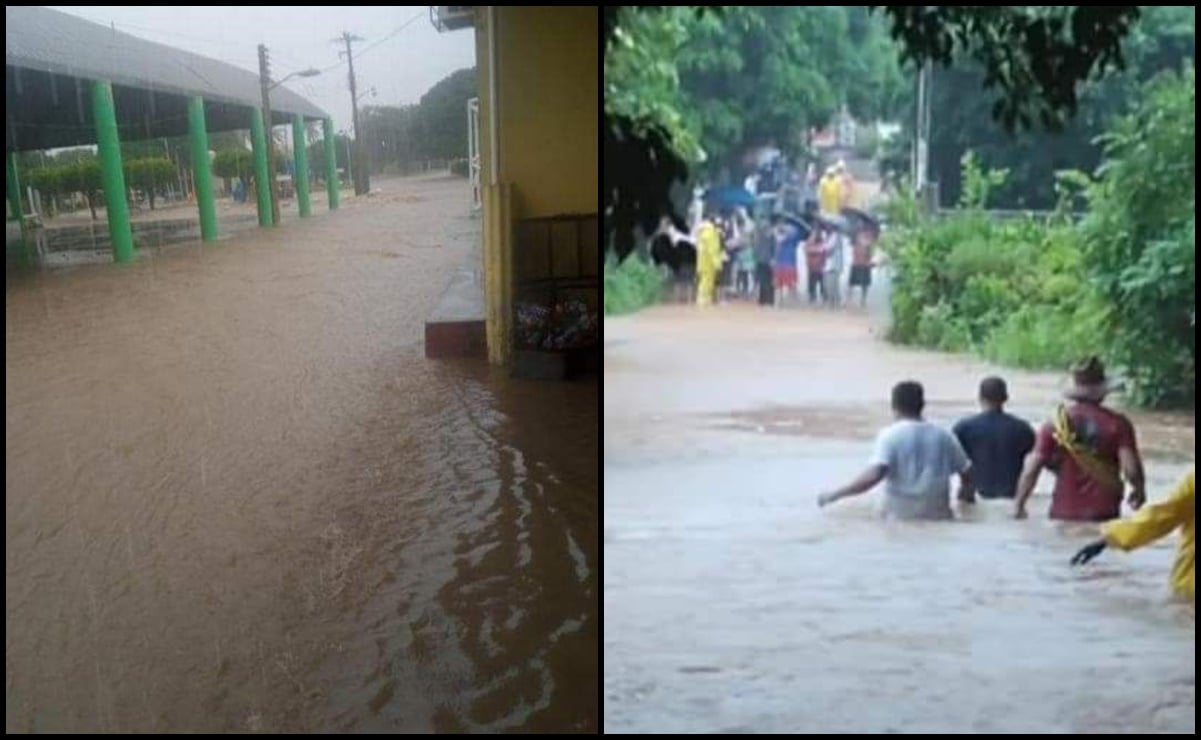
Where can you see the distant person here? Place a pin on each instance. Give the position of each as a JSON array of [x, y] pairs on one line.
[[835, 260], [809, 202], [696, 212], [1152, 522], [829, 192], [729, 235], [741, 251], [764, 247], [1090, 448], [816, 252], [861, 264], [751, 184], [915, 459], [674, 249], [709, 259], [788, 239], [996, 442], [848, 191]]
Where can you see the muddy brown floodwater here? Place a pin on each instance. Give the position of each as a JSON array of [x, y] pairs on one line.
[[733, 604], [239, 498]]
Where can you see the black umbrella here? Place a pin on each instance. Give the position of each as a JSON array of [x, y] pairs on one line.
[[801, 224], [859, 220]]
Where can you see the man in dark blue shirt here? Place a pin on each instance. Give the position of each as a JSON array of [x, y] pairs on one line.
[[995, 442]]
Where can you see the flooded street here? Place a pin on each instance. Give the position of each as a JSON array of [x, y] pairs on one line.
[[238, 497], [733, 604]]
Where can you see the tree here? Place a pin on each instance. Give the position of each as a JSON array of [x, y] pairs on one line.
[[1034, 56], [84, 177], [233, 163], [148, 175], [49, 181], [443, 115], [642, 82], [316, 152], [1140, 237], [749, 76], [434, 129], [1162, 40]]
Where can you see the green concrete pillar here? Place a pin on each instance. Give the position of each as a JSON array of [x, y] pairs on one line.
[[24, 249], [14, 189], [112, 178], [331, 164], [203, 169], [262, 183], [300, 152]]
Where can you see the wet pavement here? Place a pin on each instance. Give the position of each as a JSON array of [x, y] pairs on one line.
[[733, 604], [239, 499]]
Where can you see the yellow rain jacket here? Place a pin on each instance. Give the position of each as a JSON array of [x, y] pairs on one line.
[[829, 193], [709, 258], [1158, 519]]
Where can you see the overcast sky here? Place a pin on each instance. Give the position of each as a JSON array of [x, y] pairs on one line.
[[400, 63]]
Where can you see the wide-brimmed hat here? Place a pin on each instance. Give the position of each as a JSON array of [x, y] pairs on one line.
[[1089, 382]]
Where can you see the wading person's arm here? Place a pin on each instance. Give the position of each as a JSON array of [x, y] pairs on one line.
[[866, 480], [1148, 525], [1132, 471], [883, 456], [1027, 481], [962, 465], [967, 487]]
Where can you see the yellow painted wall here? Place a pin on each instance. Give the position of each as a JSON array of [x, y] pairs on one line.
[[548, 88], [548, 61]]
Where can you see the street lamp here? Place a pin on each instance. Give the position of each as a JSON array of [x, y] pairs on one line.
[[303, 73], [268, 86]]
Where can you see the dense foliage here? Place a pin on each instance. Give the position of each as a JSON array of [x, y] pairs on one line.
[[630, 285], [1162, 40], [1043, 292]]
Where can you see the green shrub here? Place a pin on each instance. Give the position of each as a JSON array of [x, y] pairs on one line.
[[1043, 292], [633, 284]]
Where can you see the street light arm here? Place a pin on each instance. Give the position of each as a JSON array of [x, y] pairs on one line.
[[302, 73]]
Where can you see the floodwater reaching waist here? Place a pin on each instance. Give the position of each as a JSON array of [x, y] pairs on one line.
[[734, 604]]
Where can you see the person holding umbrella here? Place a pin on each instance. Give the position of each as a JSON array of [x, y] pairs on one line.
[[764, 251], [790, 230]]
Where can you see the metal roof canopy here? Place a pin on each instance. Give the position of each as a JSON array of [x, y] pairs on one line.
[[50, 58]]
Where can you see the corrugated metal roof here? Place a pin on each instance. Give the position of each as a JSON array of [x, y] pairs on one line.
[[40, 40]]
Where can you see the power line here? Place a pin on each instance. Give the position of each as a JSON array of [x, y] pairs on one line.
[[389, 35], [402, 27]]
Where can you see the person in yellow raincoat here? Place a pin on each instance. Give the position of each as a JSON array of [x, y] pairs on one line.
[[829, 191], [709, 259], [1152, 522]]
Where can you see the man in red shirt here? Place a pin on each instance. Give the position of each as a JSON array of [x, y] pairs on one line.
[[1091, 449]]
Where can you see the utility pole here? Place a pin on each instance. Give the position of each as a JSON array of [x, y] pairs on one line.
[[265, 81], [921, 153], [362, 182]]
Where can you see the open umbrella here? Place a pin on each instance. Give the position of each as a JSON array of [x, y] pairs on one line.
[[729, 197], [800, 223], [860, 220], [835, 223]]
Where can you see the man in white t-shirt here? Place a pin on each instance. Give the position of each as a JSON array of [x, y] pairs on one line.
[[915, 459]]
